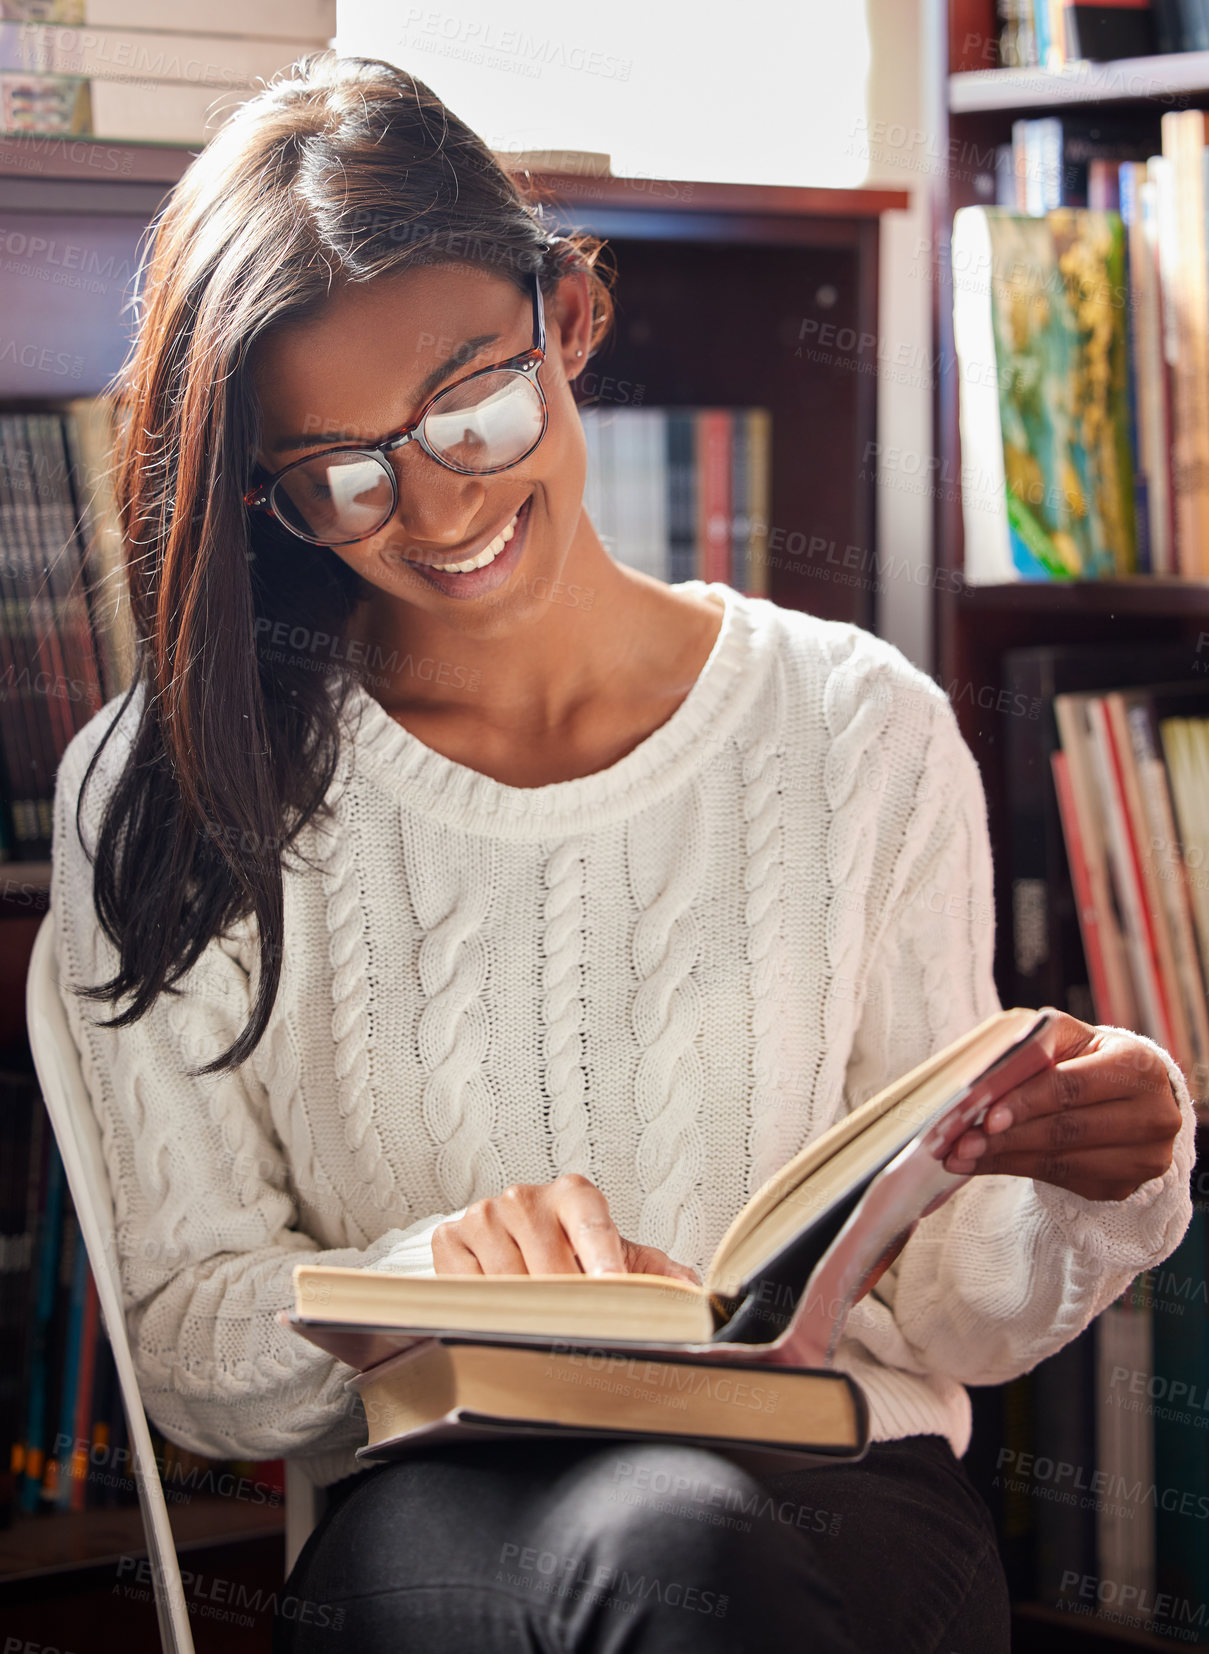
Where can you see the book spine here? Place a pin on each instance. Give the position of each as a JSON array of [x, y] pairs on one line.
[[1149, 885], [77, 1307], [1130, 178], [1148, 326], [81, 1428], [1188, 982], [1084, 898], [1181, 1356], [759, 474], [712, 451], [1122, 1007], [740, 498], [49, 1233], [682, 517], [1138, 931]]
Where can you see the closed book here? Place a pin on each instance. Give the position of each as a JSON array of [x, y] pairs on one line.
[[1181, 1447], [713, 478], [214, 60], [681, 496], [1042, 933], [140, 111], [89, 433], [759, 507], [1186, 754], [312, 20], [1183, 138], [46, 1252], [776, 1295], [1141, 937], [1141, 715], [1064, 1434], [1125, 1448], [1047, 472]]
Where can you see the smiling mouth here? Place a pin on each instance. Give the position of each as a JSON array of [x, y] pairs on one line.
[[478, 559]]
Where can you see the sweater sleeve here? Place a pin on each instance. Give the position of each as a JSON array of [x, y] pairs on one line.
[[1009, 1269], [205, 1225]]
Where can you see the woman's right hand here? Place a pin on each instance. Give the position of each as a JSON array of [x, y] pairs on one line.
[[559, 1228]]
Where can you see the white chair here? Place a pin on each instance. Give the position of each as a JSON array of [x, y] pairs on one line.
[[79, 1139]]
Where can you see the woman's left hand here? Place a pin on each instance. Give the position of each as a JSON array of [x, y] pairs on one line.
[[1100, 1122]]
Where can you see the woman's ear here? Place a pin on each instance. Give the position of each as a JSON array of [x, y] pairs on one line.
[[571, 316]]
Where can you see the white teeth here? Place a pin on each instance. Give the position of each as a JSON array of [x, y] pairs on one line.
[[487, 555]]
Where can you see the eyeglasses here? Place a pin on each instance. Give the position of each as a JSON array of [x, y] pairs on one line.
[[487, 422]]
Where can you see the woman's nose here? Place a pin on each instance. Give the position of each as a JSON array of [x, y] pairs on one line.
[[436, 506]]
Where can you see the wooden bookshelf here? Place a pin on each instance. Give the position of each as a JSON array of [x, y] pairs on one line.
[[972, 109]]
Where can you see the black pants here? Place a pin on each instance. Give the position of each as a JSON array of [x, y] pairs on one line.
[[649, 1547]]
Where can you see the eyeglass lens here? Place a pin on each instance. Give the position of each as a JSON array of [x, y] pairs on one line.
[[483, 424]]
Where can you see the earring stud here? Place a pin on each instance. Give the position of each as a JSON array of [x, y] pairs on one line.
[[579, 352]]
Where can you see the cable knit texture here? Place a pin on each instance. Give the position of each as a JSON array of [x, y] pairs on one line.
[[669, 975]]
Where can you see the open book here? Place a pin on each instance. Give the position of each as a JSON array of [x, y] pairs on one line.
[[492, 1354]]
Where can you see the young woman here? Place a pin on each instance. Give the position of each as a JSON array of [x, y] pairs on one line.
[[483, 905]]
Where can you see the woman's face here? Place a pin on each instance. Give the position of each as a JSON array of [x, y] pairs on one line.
[[365, 366]]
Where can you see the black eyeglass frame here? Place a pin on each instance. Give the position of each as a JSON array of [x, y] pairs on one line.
[[260, 496]]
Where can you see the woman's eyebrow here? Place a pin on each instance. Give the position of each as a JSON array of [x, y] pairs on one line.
[[465, 352]]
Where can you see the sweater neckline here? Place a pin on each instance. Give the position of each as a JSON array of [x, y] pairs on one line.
[[428, 782]]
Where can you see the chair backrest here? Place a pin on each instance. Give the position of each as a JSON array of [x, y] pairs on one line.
[[78, 1136], [79, 1139]]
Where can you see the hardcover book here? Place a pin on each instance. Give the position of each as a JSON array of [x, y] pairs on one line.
[[747, 1357], [1039, 323]]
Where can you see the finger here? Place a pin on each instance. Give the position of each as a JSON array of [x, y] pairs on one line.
[[450, 1254], [483, 1232], [1118, 1069], [525, 1212], [584, 1214], [1098, 1174], [649, 1260], [1099, 1125]]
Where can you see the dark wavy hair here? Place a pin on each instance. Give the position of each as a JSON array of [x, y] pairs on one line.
[[340, 169]]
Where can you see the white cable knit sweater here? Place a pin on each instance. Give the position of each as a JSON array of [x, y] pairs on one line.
[[668, 975]]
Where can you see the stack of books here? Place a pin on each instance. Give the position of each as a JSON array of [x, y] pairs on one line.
[[140, 69], [1048, 34], [1082, 338], [66, 639]]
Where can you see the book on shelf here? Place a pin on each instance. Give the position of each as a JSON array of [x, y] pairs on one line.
[[1144, 925], [1049, 34], [682, 493], [66, 642], [63, 1437], [449, 1356], [1039, 328], [1046, 957], [1085, 362], [313, 21]]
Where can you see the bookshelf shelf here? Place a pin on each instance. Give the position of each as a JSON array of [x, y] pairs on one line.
[[1127, 80], [60, 1542], [1156, 595]]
